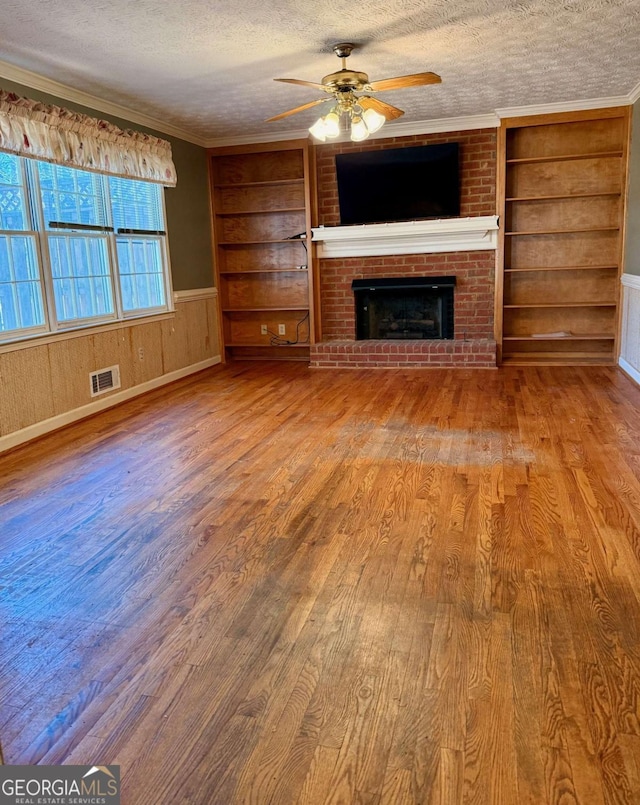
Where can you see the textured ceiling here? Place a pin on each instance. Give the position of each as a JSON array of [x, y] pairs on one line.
[[207, 67]]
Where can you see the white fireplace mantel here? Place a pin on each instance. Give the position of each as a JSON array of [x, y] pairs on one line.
[[408, 237]]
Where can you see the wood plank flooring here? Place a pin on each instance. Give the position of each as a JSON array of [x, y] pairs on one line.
[[266, 584]]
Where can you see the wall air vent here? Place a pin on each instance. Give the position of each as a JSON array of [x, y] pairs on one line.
[[104, 380]]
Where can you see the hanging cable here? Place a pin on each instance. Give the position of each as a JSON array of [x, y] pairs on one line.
[[279, 341]]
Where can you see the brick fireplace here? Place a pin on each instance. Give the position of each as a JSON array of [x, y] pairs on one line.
[[404, 308], [473, 343]]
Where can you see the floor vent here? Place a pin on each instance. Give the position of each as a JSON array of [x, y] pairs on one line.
[[104, 380]]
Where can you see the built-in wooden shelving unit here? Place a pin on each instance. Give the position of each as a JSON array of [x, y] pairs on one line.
[[263, 200], [562, 212]]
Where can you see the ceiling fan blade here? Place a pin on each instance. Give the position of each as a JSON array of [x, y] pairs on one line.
[[390, 112], [415, 80], [303, 83], [296, 110]]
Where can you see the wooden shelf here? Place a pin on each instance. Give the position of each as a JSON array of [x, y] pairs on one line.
[[235, 213], [261, 197], [259, 242], [560, 196], [557, 359], [562, 204], [572, 231], [572, 337], [261, 309], [294, 270], [561, 304], [564, 157], [561, 268], [301, 345], [268, 183]]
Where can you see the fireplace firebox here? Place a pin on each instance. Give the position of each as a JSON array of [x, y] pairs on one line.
[[401, 308]]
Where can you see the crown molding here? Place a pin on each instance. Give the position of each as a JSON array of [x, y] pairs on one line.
[[634, 95], [253, 139], [564, 106], [443, 124], [407, 129], [39, 82]]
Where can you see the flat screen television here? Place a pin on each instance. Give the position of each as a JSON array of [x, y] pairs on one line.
[[399, 184]]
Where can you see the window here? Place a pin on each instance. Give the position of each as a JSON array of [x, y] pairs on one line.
[[21, 299], [137, 217], [77, 248]]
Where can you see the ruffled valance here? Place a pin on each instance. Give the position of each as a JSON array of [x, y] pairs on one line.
[[54, 134]]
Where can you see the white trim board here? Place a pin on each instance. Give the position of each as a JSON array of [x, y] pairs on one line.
[[634, 95], [69, 417], [195, 293], [628, 369], [408, 237]]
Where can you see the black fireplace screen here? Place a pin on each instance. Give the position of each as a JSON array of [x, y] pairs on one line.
[[404, 308]]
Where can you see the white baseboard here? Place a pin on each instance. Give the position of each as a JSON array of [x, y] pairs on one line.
[[628, 369], [59, 421]]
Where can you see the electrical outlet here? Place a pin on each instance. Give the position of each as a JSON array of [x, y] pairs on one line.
[[263, 329], [140, 353], [281, 329]]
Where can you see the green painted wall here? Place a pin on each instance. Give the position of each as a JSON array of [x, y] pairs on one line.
[[632, 244], [188, 219]]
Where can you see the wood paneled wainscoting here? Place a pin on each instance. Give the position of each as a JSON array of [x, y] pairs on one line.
[[264, 584], [45, 383]]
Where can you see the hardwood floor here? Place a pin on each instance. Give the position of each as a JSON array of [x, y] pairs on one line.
[[266, 584]]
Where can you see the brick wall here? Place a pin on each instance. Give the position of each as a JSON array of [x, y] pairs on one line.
[[474, 270]]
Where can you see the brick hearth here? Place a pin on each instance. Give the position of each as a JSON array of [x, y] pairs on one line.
[[478, 353]]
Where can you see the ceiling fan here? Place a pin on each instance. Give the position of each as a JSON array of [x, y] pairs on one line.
[[365, 113]]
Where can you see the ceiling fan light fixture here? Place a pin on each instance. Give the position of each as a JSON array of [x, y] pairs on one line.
[[319, 130], [345, 86], [326, 127], [359, 130], [374, 120], [332, 124]]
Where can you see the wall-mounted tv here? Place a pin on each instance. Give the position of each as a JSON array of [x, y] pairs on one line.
[[399, 184]]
